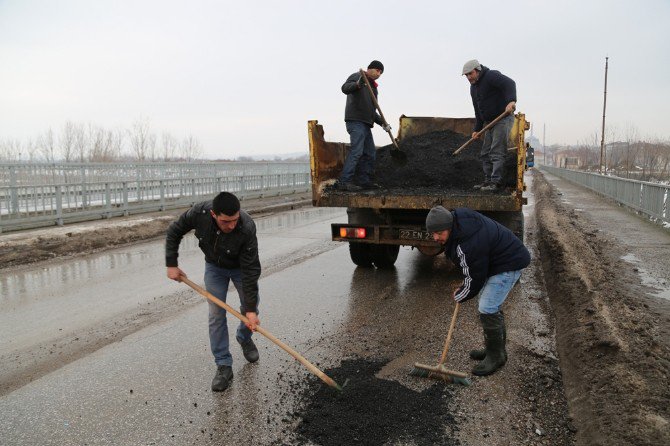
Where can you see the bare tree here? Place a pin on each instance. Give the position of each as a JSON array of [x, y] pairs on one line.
[[191, 148], [630, 136], [96, 139], [66, 141], [10, 150], [80, 142], [47, 146], [169, 146], [142, 141]]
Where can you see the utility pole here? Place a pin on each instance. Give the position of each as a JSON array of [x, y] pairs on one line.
[[602, 136], [544, 146]]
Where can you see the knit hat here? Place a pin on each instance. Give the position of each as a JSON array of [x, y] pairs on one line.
[[471, 65], [439, 219], [376, 64]]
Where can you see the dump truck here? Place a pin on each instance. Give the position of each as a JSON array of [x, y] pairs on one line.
[[382, 220]]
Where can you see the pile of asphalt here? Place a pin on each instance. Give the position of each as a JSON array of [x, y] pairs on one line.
[[372, 411], [431, 163]]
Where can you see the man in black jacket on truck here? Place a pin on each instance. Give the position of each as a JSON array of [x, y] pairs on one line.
[[227, 236], [491, 258], [360, 116], [492, 94]]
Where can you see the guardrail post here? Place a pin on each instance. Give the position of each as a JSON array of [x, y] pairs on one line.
[[218, 184], [162, 188], [59, 206], [242, 188], [193, 189], [83, 186], [125, 199], [108, 200]]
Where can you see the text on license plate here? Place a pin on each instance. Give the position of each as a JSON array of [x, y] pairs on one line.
[[411, 234]]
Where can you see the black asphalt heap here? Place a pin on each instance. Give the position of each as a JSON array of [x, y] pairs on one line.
[[373, 411], [430, 163]]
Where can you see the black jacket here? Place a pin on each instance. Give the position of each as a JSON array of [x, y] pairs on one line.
[[235, 250], [359, 102], [482, 248], [490, 95]]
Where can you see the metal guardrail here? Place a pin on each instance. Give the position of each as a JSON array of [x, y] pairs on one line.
[[23, 207], [24, 174], [648, 198]]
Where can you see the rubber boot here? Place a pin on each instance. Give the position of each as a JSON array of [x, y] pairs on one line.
[[494, 327], [480, 354]]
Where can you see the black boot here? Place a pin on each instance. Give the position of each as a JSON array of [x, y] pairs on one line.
[[480, 354], [494, 327], [221, 381], [250, 351]]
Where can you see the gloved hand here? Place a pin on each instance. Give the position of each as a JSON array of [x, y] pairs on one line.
[[387, 128]]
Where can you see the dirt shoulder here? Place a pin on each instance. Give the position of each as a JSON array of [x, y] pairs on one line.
[[25, 247], [611, 333]]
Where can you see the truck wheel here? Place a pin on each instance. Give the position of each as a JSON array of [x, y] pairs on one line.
[[361, 254], [384, 256]]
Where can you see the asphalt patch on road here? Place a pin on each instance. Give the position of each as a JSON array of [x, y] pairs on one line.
[[372, 411]]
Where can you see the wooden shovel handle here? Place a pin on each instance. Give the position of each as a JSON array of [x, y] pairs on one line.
[[311, 367], [374, 101], [488, 126], [451, 331]]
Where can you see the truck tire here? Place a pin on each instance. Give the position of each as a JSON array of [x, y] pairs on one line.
[[384, 256], [361, 254]]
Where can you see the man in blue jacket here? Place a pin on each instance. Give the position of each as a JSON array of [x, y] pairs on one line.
[[360, 115], [491, 258], [492, 94], [227, 236]]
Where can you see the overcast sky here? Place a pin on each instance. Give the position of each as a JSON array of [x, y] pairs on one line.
[[244, 77]]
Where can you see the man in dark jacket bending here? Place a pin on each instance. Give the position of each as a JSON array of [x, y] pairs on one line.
[[491, 258], [227, 237], [492, 94], [360, 115]]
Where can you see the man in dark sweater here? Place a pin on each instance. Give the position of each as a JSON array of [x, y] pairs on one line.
[[360, 115], [491, 258], [492, 94], [227, 236]]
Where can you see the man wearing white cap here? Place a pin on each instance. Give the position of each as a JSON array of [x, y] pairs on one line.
[[492, 94]]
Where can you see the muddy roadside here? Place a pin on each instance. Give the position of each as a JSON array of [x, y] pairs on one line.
[[611, 334]]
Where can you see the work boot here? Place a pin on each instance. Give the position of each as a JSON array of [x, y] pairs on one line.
[[370, 186], [349, 187], [479, 186], [494, 340], [480, 354], [250, 351], [222, 379], [491, 187]]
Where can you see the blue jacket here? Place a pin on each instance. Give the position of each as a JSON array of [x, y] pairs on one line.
[[482, 248], [490, 95]]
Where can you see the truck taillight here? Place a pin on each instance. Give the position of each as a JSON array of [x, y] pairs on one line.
[[352, 232]]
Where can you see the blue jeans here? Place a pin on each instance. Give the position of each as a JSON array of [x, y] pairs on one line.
[[216, 281], [494, 150], [360, 163], [495, 291]]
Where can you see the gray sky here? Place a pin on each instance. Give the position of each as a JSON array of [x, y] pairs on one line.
[[244, 77]]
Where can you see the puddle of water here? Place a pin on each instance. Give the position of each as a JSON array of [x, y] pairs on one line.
[[662, 287]]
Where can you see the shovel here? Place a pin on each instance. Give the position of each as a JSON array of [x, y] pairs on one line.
[[396, 153], [311, 367], [488, 126]]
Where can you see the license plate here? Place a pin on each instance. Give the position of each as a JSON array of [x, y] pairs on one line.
[[411, 234]]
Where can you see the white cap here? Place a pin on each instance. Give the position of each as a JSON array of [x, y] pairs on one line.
[[471, 65]]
